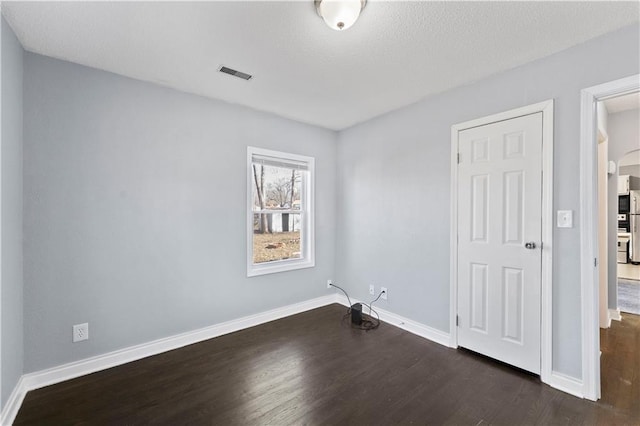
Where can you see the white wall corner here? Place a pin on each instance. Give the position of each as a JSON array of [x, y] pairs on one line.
[[11, 408]]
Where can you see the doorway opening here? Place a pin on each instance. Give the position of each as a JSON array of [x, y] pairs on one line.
[[618, 174], [626, 279], [596, 255]]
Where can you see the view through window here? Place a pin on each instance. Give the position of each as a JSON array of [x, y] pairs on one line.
[[279, 211]]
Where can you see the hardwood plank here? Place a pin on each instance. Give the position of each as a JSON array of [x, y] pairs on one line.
[[313, 368]]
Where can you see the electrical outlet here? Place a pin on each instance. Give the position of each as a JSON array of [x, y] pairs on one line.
[[80, 332], [385, 292], [372, 289], [329, 283]]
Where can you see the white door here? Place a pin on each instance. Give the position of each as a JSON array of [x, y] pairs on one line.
[[499, 240]]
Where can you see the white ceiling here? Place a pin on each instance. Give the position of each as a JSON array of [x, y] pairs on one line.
[[623, 103], [396, 54]]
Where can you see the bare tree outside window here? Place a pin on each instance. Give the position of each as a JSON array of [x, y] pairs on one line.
[[263, 226], [277, 192]]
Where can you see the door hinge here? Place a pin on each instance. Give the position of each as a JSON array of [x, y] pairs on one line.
[[595, 261], [458, 158], [457, 321]]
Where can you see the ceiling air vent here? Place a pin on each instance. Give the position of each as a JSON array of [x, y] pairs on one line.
[[235, 73]]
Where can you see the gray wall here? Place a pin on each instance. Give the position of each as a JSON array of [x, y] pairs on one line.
[[11, 223], [135, 199], [134, 202], [623, 129], [395, 175]]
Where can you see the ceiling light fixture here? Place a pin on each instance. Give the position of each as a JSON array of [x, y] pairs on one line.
[[339, 14]]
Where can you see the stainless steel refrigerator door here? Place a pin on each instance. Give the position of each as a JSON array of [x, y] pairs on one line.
[[634, 221], [634, 202]]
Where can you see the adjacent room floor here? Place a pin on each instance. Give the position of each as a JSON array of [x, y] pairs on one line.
[[629, 296], [629, 288], [313, 368]]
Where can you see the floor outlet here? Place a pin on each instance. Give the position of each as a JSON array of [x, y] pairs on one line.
[[385, 292], [372, 290], [80, 332]]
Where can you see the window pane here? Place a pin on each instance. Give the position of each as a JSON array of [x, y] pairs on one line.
[[277, 187], [280, 212], [281, 240]]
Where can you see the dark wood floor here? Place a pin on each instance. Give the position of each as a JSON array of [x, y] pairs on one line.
[[312, 368]]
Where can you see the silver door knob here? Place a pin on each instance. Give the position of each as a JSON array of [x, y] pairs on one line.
[[530, 245]]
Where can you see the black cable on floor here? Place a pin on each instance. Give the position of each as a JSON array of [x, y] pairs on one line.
[[367, 324], [345, 293]]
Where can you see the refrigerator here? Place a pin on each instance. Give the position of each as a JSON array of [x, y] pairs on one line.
[[634, 226]]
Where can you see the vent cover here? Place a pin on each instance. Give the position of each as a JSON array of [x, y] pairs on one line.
[[235, 73]]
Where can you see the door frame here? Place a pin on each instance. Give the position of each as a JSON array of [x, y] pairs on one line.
[[546, 108], [589, 227]]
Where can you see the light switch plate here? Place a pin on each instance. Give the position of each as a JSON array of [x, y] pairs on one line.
[[565, 218]]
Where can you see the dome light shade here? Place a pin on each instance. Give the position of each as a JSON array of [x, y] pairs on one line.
[[339, 14]]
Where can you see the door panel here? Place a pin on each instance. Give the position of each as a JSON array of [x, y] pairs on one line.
[[512, 281], [500, 206], [479, 297], [513, 208], [479, 206]]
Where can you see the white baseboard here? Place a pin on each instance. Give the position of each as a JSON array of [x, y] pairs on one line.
[[557, 380], [39, 379], [13, 404], [614, 314], [567, 384], [83, 367], [419, 329]]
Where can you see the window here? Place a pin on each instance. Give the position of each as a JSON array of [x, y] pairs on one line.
[[279, 212]]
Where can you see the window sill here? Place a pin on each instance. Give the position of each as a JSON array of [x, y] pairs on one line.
[[275, 267]]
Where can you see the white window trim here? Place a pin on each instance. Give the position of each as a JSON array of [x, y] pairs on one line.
[[308, 224]]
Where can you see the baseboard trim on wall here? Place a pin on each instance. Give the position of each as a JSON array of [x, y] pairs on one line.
[[614, 314], [13, 403], [557, 380], [414, 327], [39, 379], [567, 384]]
